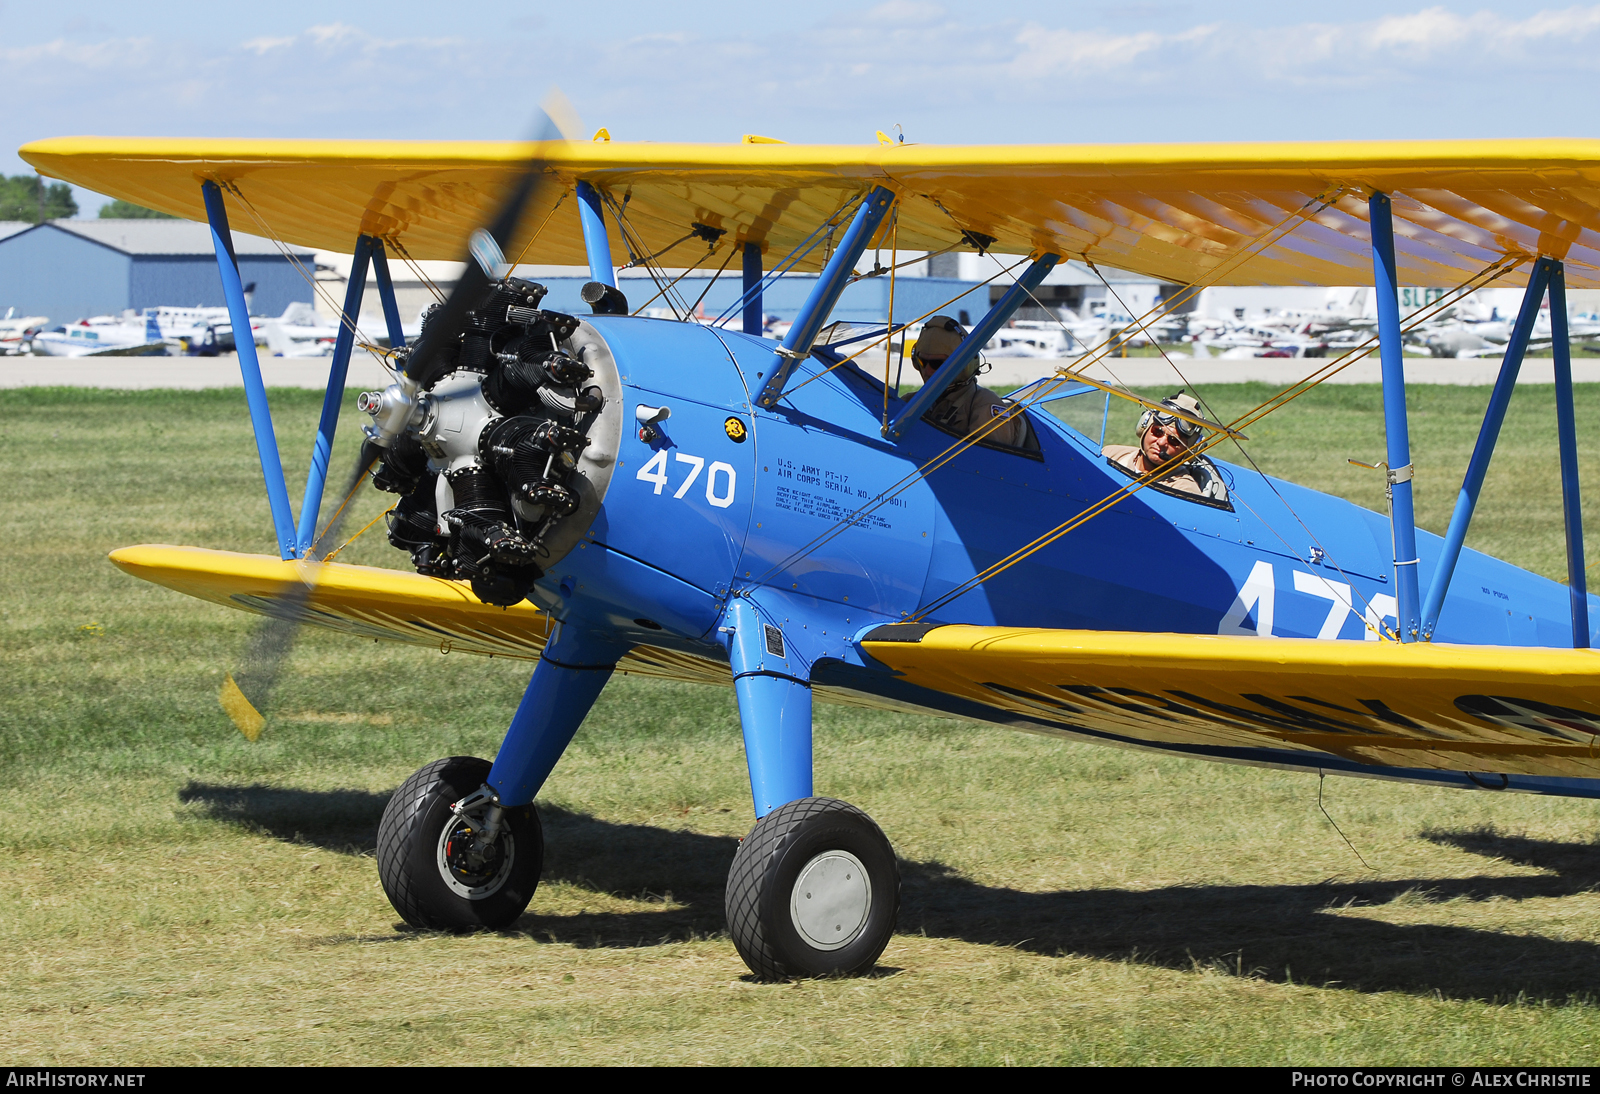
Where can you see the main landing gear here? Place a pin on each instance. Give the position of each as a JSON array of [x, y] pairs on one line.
[[813, 891], [450, 859]]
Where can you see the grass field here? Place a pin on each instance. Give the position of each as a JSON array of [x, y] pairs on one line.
[[170, 893]]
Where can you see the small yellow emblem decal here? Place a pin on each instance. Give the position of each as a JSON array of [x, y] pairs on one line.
[[735, 430]]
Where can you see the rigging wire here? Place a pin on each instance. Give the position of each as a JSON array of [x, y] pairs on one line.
[[1270, 236], [415, 267], [540, 230], [889, 332], [1493, 272], [365, 528], [630, 237], [647, 258], [688, 308], [795, 256], [1065, 376], [355, 332], [1272, 404], [879, 271], [732, 250], [310, 279], [333, 521], [625, 227], [299, 267], [1369, 611], [1162, 308]]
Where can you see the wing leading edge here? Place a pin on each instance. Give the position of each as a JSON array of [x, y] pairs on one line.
[[1517, 711], [1179, 212]]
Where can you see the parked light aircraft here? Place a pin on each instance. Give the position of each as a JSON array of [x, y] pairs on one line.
[[697, 502], [1465, 334], [150, 331], [103, 336], [17, 331], [298, 332]]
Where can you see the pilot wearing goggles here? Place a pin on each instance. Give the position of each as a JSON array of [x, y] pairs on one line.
[[1164, 443]]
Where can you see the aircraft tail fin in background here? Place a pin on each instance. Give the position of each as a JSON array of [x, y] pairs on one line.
[[277, 341]]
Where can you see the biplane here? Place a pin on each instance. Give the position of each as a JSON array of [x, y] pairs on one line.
[[694, 501]]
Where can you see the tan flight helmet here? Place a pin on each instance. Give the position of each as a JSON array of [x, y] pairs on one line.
[[939, 338], [1183, 403]]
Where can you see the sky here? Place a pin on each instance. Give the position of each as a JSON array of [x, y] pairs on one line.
[[823, 71]]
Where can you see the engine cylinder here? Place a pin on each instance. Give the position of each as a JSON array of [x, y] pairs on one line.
[[505, 443]]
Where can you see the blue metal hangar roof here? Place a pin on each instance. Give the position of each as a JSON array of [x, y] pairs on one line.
[[71, 269]]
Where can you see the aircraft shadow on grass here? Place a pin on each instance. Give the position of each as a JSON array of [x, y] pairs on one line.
[[1271, 932]]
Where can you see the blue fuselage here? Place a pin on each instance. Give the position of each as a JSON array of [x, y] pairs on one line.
[[770, 503]]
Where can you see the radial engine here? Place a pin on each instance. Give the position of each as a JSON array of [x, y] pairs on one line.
[[503, 456]]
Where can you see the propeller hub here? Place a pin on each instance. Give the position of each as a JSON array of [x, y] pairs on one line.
[[393, 409]]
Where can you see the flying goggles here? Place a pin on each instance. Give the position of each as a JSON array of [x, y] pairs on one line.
[[1189, 431]]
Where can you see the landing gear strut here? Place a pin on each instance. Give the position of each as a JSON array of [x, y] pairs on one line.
[[813, 891]]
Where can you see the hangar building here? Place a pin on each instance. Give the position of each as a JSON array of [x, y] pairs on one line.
[[72, 269]]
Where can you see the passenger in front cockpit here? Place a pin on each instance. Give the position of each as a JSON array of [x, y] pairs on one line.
[[1164, 443], [965, 405]]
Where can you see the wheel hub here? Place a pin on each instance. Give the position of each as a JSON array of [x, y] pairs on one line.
[[831, 900], [468, 866]]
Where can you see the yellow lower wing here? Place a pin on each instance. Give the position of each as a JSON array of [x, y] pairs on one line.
[[380, 604], [1460, 708]]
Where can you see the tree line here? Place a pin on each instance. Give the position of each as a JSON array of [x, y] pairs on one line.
[[30, 198]]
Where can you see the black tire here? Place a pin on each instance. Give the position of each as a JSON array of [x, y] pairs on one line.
[[767, 913], [420, 864]]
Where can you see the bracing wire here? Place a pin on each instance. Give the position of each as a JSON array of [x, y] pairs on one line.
[[879, 271], [364, 529], [634, 242], [1272, 404], [795, 256], [415, 267], [1274, 233], [889, 332], [350, 323], [1270, 236], [540, 230], [632, 262], [1239, 444], [688, 309], [299, 267], [732, 250]]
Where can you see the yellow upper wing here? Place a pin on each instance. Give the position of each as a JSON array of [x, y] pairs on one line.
[[1174, 212], [1459, 708]]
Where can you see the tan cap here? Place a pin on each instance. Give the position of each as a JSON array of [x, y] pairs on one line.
[[1187, 404], [939, 338]]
